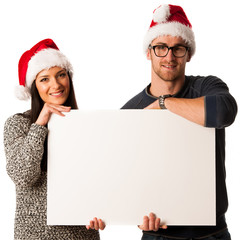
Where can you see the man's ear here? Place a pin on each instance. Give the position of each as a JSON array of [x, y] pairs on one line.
[[189, 56], [148, 54]]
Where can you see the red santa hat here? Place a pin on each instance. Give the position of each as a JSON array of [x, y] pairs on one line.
[[170, 20], [43, 55]]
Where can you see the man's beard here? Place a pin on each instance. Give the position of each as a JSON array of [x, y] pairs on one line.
[[167, 76]]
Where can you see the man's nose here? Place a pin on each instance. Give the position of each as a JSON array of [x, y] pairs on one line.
[[170, 55]]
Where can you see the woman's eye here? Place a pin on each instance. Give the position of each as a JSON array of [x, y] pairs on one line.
[[43, 80], [62, 75]]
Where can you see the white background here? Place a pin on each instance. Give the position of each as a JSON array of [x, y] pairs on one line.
[[103, 40]]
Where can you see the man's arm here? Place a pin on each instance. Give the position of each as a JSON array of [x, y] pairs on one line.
[[191, 109], [215, 107]]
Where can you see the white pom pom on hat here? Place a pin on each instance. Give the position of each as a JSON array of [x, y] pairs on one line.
[[161, 14], [170, 20], [22, 93], [44, 55]]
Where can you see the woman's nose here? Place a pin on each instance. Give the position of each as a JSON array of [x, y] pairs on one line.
[[55, 84]]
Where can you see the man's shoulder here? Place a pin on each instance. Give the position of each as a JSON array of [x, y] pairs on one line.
[[135, 102], [202, 79], [197, 86], [201, 82]]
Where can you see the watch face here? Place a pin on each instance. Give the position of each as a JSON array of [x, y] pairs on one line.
[[162, 100]]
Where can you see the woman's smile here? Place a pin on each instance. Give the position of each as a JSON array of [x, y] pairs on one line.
[[53, 85]]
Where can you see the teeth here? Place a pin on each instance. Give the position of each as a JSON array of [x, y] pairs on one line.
[[169, 66], [56, 94]]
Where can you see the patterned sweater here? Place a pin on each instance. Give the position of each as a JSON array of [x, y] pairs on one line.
[[24, 147]]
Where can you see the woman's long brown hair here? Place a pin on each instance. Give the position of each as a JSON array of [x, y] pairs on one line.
[[36, 107]]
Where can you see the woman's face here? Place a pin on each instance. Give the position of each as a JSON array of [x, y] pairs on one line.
[[53, 85]]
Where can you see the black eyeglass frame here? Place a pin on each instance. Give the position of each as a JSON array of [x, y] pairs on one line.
[[169, 48]]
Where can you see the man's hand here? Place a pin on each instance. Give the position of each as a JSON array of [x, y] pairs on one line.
[[151, 223], [154, 105]]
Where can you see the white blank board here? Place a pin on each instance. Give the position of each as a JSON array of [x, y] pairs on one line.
[[120, 165]]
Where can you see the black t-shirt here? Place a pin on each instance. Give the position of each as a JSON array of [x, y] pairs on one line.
[[220, 112]]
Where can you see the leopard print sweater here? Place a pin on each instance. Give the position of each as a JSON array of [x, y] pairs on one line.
[[24, 147]]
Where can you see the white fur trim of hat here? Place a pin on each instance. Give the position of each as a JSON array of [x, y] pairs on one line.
[[166, 23], [44, 59]]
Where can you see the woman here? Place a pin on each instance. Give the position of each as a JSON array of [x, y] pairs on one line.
[[45, 76]]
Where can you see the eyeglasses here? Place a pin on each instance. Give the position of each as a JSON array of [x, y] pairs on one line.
[[178, 51]]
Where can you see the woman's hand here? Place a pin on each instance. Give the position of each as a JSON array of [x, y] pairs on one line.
[[151, 223], [96, 224], [47, 111]]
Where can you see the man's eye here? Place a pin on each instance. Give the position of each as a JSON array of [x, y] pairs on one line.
[[161, 47], [178, 48]]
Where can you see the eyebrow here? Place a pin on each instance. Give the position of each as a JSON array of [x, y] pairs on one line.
[[43, 76], [162, 43]]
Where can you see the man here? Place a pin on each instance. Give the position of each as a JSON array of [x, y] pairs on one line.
[[169, 45]]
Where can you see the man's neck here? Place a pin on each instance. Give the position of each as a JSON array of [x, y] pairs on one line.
[[160, 87]]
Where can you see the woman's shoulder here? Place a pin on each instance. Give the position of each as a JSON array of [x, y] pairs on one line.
[[18, 119]]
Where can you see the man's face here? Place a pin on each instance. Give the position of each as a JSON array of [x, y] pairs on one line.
[[168, 68]]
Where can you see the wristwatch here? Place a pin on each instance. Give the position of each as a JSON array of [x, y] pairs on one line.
[[162, 100]]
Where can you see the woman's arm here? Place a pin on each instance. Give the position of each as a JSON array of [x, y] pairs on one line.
[[24, 149], [24, 146]]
